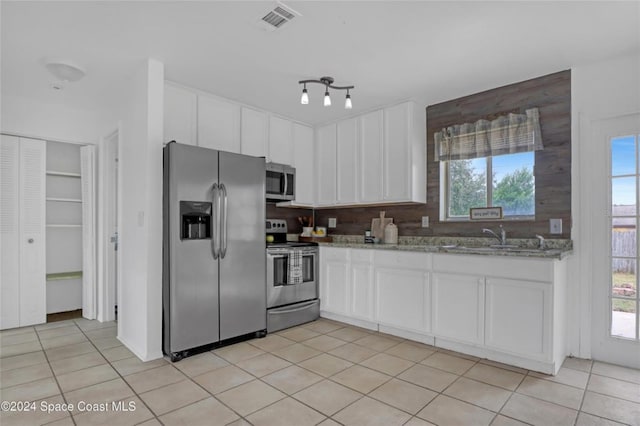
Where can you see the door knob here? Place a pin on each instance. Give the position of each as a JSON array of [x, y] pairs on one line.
[[30, 240]]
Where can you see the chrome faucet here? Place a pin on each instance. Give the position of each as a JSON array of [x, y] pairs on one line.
[[502, 238], [541, 246]]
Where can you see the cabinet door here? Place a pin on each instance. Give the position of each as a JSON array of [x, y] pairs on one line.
[[253, 133], [326, 165], [458, 307], [10, 230], [33, 296], [336, 287], [362, 295], [180, 114], [218, 124], [402, 296], [518, 316], [347, 161], [397, 122], [371, 169], [280, 141], [304, 164]]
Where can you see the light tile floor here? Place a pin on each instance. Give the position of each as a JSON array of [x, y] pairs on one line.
[[323, 372]]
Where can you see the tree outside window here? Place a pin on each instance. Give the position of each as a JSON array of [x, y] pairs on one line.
[[506, 181]]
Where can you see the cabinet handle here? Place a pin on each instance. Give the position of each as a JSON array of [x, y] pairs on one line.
[[30, 240]]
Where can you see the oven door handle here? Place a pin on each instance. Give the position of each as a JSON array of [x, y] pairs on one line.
[[299, 308]]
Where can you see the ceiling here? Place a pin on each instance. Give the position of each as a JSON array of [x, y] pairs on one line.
[[390, 50]]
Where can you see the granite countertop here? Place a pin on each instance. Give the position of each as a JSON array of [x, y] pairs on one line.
[[521, 247]]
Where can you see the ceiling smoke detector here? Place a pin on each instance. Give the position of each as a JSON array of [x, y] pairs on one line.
[[278, 16], [65, 71]]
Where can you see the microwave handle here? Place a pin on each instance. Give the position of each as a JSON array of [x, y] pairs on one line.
[[286, 183]]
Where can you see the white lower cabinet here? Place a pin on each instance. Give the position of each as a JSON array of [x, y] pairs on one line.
[[518, 319], [362, 292], [402, 296], [335, 281], [507, 309], [458, 307]]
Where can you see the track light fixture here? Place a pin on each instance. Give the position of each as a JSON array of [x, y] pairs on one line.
[[328, 83]]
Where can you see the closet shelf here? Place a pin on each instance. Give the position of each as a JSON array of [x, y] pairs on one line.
[[66, 174], [64, 275], [64, 200], [64, 225]]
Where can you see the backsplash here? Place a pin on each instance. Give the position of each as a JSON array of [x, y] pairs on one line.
[[551, 94], [290, 215]]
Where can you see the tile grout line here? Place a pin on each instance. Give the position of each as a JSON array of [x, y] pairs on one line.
[[116, 371], [64, 398]]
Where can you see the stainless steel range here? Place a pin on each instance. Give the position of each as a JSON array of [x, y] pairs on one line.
[[292, 279]]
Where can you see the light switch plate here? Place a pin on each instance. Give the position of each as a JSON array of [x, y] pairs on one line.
[[425, 221], [555, 226], [332, 222]]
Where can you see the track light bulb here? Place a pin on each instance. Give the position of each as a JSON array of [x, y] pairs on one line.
[[347, 102], [327, 98], [304, 100]]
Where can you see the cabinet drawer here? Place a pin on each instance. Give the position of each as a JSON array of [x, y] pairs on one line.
[[361, 255], [402, 259], [334, 253]]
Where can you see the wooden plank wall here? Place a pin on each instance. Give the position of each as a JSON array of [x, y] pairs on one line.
[[551, 94]]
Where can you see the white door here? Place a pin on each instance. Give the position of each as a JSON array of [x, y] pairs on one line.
[[109, 291], [9, 232], [615, 220]]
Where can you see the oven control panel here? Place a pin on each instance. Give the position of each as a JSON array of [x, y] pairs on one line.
[[276, 226]]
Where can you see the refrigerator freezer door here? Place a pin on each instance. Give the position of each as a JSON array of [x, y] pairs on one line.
[[243, 300], [190, 275]]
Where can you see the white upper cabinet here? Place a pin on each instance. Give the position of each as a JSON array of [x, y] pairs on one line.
[[280, 140], [347, 161], [218, 124], [303, 162], [380, 158], [254, 132], [404, 154], [326, 165], [371, 137], [180, 115]]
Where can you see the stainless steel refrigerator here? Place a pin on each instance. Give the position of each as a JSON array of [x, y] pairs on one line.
[[214, 264]]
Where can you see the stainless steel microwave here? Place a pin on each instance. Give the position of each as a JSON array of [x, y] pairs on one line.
[[281, 182]]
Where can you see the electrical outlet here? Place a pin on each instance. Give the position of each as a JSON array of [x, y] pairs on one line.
[[425, 221], [332, 222], [555, 226]]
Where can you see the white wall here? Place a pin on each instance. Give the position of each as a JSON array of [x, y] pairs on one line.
[[140, 216], [48, 121], [600, 90]]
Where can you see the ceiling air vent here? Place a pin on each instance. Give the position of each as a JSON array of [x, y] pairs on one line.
[[277, 17]]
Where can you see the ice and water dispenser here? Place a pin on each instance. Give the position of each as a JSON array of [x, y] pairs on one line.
[[195, 218]]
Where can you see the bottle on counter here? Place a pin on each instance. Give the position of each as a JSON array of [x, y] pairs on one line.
[[368, 239], [391, 234]]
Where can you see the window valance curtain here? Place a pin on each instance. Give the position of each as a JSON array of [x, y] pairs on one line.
[[507, 134]]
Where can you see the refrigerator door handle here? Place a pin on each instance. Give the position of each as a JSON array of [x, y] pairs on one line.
[[223, 222], [215, 199]]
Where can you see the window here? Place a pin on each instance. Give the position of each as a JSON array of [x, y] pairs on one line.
[[624, 218], [503, 180]]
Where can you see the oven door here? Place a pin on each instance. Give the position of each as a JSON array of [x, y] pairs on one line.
[[279, 291]]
